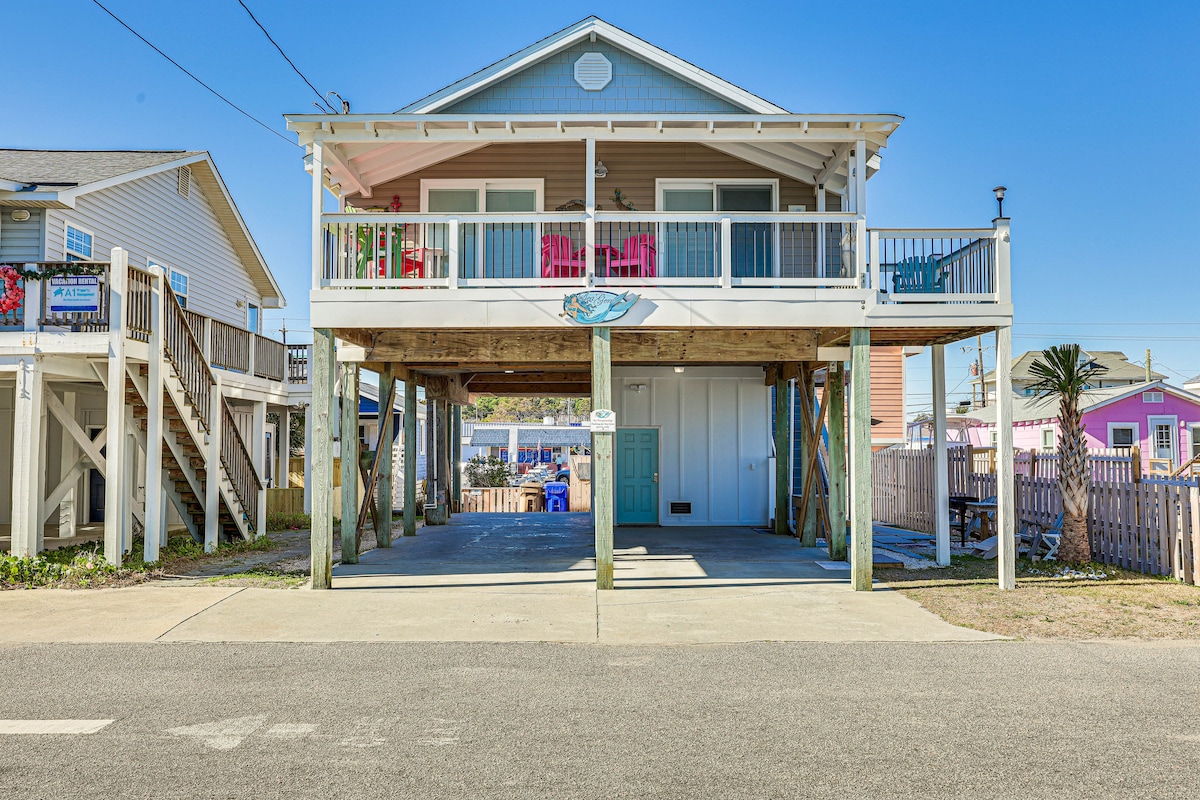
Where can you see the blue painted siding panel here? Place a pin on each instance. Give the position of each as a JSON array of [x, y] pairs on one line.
[[549, 87]]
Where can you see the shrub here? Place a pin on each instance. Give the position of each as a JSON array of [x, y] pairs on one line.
[[486, 471], [282, 521]]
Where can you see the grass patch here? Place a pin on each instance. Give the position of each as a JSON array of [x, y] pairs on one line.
[[1121, 605], [264, 577], [280, 521], [83, 566]]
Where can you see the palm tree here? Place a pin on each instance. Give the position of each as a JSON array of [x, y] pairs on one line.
[[1063, 372]]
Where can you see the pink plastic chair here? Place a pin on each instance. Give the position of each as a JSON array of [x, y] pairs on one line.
[[636, 259], [559, 259]]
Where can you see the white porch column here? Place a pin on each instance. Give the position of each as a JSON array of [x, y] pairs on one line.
[[118, 488], [941, 465], [28, 420], [68, 450], [258, 452], [861, 549], [212, 474], [589, 201], [284, 435], [154, 533], [324, 376], [318, 205], [1006, 520]]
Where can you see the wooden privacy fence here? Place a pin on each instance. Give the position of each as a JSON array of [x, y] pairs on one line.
[[1150, 526], [505, 499], [285, 501]]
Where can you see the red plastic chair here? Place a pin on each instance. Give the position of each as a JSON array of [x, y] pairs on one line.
[[637, 258], [559, 259]]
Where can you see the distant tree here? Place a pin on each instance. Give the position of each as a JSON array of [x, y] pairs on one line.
[[296, 434], [1062, 372], [528, 409], [486, 471]]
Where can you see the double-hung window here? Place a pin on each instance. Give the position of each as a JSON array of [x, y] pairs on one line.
[[78, 244], [179, 282], [499, 249]]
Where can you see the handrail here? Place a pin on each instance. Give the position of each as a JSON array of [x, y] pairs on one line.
[[229, 347], [239, 466], [137, 304], [269, 358]]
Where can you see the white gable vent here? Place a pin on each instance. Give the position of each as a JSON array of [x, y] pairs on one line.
[[184, 186], [593, 71]]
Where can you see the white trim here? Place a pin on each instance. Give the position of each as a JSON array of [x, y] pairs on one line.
[[254, 328], [1193, 432], [1137, 439], [482, 185], [171, 272], [591, 28], [67, 251], [662, 184], [1044, 429], [1162, 419]]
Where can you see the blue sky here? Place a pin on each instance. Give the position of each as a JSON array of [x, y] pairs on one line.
[[1088, 112]]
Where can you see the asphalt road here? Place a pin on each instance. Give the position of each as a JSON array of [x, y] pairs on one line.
[[987, 720]]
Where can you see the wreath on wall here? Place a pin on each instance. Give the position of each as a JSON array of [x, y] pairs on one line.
[[14, 295]]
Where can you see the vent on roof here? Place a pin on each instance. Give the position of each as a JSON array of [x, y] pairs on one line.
[[184, 186], [593, 71], [678, 508]]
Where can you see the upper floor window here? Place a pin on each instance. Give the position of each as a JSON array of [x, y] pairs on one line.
[[1152, 397], [78, 244], [1048, 439], [252, 318], [179, 281]]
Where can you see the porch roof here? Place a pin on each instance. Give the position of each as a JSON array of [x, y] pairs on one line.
[[362, 150]]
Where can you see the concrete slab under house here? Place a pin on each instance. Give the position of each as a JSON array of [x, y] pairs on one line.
[[595, 217], [135, 381]]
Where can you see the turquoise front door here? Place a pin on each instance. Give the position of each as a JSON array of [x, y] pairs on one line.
[[636, 464]]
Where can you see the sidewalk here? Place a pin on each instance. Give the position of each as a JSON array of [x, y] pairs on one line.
[[516, 582]]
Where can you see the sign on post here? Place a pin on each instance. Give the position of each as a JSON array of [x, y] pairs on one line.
[[603, 420], [75, 294]]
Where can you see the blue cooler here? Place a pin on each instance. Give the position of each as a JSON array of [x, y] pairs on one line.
[[556, 495]]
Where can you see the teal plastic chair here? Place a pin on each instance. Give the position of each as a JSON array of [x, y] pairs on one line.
[[919, 275]]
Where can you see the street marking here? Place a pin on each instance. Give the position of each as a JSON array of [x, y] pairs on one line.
[[224, 734], [290, 730], [41, 727]]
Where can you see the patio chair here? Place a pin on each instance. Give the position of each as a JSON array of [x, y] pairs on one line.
[[559, 258], [1049, 538], [919, 275], [637, 258], [976, 521]]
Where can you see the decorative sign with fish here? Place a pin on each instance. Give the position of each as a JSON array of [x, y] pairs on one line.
[[595, 307]]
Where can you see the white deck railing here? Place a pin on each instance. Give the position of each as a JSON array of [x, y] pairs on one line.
[[729, 250]]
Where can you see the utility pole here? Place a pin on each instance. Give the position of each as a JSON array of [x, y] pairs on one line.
[[1149, 370]]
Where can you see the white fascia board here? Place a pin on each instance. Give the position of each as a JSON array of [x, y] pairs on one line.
[[567, 37], [11, 186], [43, 199], [115, 180]]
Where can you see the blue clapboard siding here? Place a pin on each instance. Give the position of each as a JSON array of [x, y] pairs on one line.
[[549, 87], [21, 242]]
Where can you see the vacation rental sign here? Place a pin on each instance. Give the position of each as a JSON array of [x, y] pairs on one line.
[[603, 420], [75, 294]]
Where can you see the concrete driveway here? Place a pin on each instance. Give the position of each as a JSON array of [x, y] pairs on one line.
[[512, 578]]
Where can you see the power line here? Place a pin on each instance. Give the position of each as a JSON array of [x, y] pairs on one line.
[[291, 63], [220, 96]]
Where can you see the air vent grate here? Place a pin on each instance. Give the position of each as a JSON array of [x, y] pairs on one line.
[[184, 186], [593, 71], [679, 509]]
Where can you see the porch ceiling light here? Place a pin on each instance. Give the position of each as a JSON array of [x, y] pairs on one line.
[[601, 170], [679, 369]]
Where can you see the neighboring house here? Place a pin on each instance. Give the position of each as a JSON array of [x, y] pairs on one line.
[[1159, 419], [522, 444], [593, 215], [1117, 371], [140, 389]]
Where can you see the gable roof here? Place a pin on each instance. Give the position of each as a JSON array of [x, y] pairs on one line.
[[591, 28], [1034, 409], [1116, 367], [55, 178]]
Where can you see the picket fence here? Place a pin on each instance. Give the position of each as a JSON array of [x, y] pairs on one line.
[[1149, 525]]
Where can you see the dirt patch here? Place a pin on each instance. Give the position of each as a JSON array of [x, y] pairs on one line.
[[1122, 605]]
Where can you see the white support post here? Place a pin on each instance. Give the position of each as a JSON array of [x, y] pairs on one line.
[[118, 491], [860, 177], [1003, 265], [32, 302], [941, 464], [876, 279], [726, 268], [453, 254], [258, 453], [324, 368], [284, 440], [67, 453], [206, 338], [589, 202], [1006, 521], [212, 474], [822, 232], [318, 205], [252, 347], [28, 421], [123, 512], [861, 540], [153, 534]]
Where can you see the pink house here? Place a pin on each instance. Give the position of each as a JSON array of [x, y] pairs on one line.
[[1164, 422]]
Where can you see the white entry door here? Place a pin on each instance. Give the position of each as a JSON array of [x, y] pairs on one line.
[[1163, 443]]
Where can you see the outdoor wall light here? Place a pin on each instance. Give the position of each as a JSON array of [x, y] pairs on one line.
[[679, 369], [636, 387], [20, 215], [601, 170], [999, 191]]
